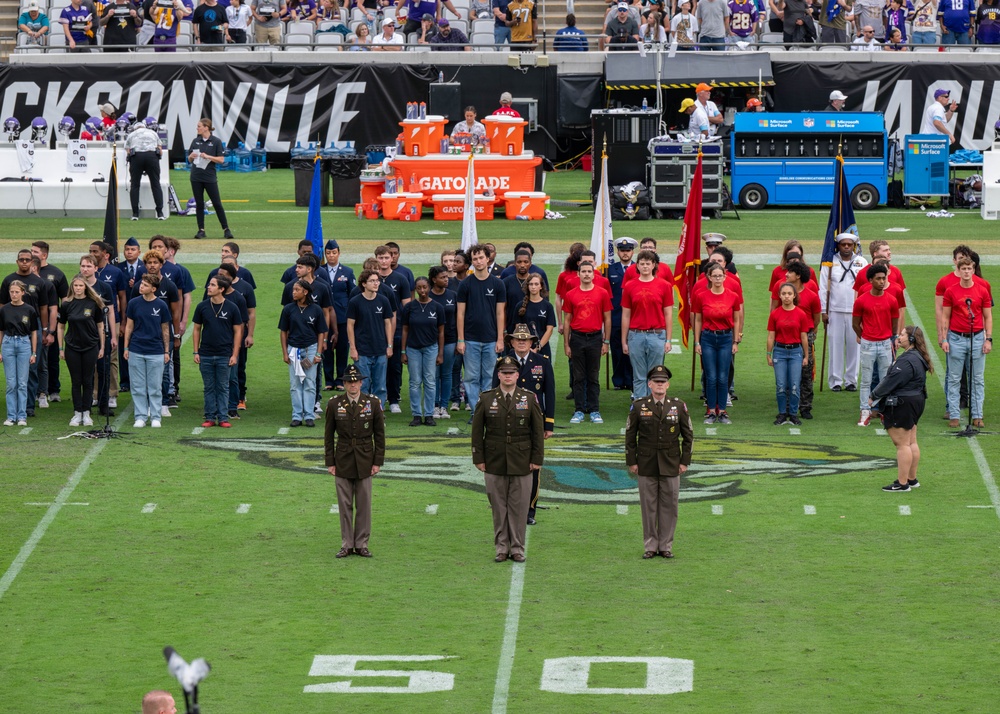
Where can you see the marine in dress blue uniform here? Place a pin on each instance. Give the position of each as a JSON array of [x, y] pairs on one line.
[[621, 366]]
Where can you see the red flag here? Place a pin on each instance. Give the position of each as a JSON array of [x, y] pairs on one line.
[[689, 253]]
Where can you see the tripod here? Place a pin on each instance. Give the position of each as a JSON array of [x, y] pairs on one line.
[[969, 430]]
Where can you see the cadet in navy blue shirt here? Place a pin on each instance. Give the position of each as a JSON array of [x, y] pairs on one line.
[[218, 329], [342, 282], [181, 277], [400, 285], [306, 268], [303, 337], [481, 298], [369, 330], [231, 249], [448, 301], [228, 269], [532, 268], [147, 347], [423, 350]]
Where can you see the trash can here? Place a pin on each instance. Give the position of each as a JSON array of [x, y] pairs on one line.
[[346, 172], [303, 170]]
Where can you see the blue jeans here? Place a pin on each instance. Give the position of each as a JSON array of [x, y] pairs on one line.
[[924, 38], [303, 390], [958, 357], [421, 362], [16, 352], [145, 373], [444, 375], [479, 360], [456, 377], [709, 44], [374, 370], [787, 378], [716, 356], [874, 355], [33, 372], [234, 386], [955, 38], [645, 350], [501, 35], [215, 373]]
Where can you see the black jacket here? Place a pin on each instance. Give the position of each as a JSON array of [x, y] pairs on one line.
[[907, 377]]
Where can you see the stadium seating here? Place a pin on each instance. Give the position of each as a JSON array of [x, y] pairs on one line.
[[329, 42], [298, 42]]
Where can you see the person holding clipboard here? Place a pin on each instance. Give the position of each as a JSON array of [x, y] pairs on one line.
[[205, 153]]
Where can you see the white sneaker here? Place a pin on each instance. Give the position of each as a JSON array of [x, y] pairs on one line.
[[55, 398], [155, 423], [9, 422], [318, 410], [139, 424], [454, 406], [22, 422], [113, 402], [43, 401], [866, 417], [468, 407], [394, 409], [87, 421], [444, 413], [77, 419], [164, 411]]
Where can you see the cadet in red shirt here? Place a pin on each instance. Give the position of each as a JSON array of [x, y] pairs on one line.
[[588, 317], [718, 319], [874, 316], [787, 344], [662, 271], [647, 320], [968, 310], [880, 250]]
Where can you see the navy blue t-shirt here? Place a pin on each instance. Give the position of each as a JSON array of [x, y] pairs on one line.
[[167, 292], [115, 279], [248, 293], [532, 270], [104, 292], [408, 274], [422, 321], [303, 325], [515, 296], [320, 294], [400, 286], [481, 298], [241, 273], [383, 290], [180, 276], [148, 318], [449, 301], [218, 323], [236, 298], [369, 324], [502, 5], [537, 316]]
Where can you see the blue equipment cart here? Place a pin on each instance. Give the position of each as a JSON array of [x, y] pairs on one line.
[[925, 165], [788, 159]]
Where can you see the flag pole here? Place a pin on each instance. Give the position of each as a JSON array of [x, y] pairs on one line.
[[829, 281], [604, 241]]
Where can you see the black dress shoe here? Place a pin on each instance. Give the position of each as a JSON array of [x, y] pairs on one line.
[[228, 235], [531, 521], [199, 235], [310, 423], [851, 388], [416, 421], [296, 422], [343, 553], [806, 414], [835, 388], [429, 421]]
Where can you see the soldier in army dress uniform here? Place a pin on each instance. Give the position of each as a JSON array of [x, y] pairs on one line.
[[536, 376], [508, 443], [658, 441], [355, 451]]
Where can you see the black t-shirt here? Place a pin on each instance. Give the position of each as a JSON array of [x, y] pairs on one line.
[[237, 299], [449, 301], [515, 296], [241, 273], [18, 320], [210, 21], [304, 325], [481, 298], [369, 324], [320, 294], [400, 286], [537, 316], [106, 294], [57, 278], [422, 321], [383, 290], [218, 323], [82, 319], [121, 28], [212, 146], [249, 295], [36, 294]]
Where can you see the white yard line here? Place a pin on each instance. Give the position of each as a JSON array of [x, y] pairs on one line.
[[794, 431], [197, 430], [25, 431], [717, 510], [809, 510], [977, 451], [243, 508], [149, 508], [904, 510], [431, 510], [621, 510], [335, 509], [502, 687]]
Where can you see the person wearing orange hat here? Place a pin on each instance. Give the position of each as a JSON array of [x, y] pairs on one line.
[[703, 92], [755, 105]]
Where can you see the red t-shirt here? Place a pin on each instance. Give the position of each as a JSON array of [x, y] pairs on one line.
[[569, 280], [951, 279], [891, 289], [778, 275], [587, 308], [662, 271], [716, 310], [895, 278], [955, 296], [809, 304], [731, 282], [646, 301], [877, 315], [788, 325]]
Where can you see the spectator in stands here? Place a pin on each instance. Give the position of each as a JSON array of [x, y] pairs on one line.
[[684, 28], [166, 20], [77, 21], [389, 40], [211, 28], [897, 13], [521, 18], [362, 38], [501, 31], [571, 38], [895, 42], [869, 12], [988, 23], [267, 20], [835, 30], [713, 18], [450, 40], [506, 110], [428, 29], [956, 18], [296, 10], [866, 42], [239, 18], [652, 30], [33, 24], [924, 23], [796, 27], [622, 30], [120, 21], [479, 10], [418, 10], [743, 19]]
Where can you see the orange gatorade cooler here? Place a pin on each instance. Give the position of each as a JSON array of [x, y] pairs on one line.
[[506, 134], [402, 206], [528, 205], [423, 136]]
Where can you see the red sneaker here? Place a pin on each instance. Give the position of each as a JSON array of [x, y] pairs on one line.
[[208, 423], [225, 424]]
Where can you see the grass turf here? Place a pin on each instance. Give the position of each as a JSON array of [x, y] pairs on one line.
[[855, 608]]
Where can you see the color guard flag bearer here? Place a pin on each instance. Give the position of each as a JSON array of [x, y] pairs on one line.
[[469, 235], [602, 238]]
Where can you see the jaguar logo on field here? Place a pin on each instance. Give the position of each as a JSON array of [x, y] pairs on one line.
[[578, 469]]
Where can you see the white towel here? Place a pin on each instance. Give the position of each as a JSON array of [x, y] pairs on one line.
[[294, 354]]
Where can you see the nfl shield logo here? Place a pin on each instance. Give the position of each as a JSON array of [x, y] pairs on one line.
[[809, 122]]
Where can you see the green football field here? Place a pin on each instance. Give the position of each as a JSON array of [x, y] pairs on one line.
[[798, 586]]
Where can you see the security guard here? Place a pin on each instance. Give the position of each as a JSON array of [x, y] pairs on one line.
[[355, 451], [508, 443], [621, 365], [658, 441], [536, 376]]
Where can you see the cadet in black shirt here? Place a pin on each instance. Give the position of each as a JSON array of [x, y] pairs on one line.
[[81, 343], [303, 337], [369, 331], [218, 329], [204, 179], [18, 341]]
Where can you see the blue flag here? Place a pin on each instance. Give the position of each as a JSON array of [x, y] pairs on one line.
[[314, 223], [832, 9], [841, 214]]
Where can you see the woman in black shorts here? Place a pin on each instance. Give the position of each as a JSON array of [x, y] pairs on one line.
[[902, 393]]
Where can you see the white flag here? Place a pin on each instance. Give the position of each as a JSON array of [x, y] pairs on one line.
[[602, 240], [469, 235]]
